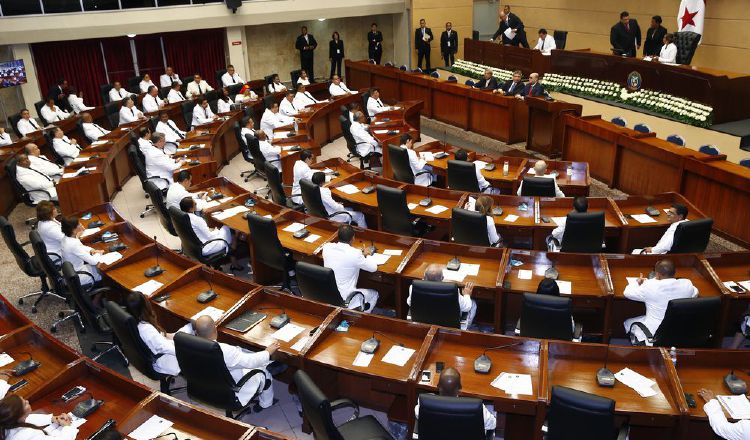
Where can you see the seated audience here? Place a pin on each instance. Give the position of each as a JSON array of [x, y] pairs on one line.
[[151, 101], [197, 87], [540, 170], [169, 78], [117, 93], [722, 427], [676, 214], [546, 43], [271, 153], [129, 113], [245, 96], [145, 83], [231, 77], [82, 257], [287, 106], [416, 163], [178, 191], [338, 87], [14, 411], [346, 261], [513, 86], [75, 100], [273, 119], [580, 204], [488, 82], [206, 234], [41, 163], [366, 144], [158, 164], [276, 86], [224, 103], [175, 94], [303, 78], [374, 104], [91, 129], [331, 205], [52, 113], [50, 229], [668, 53], [68, 149], [172, 134], [37, 184], [434, 272], [27, 124], [202, 113], [303, 98], [301, 171], [533, 88]]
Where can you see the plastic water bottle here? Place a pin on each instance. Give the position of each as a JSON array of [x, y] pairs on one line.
[[296, 127], [673, 356], [506, 166], [570, 169]]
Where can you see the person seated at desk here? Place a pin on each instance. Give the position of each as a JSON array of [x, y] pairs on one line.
[[202, 113], [676, 214], [39, 186], [488, 82], [273, 119], [533, 88], [331, 206], [175, 94], [338, 88], [484, 205], [484, 185], [239, 362], [197, 87], [117, 93], [656, 293], [52, 113], [206, 234], [178, 191], [540, 170], [276, 86], [158, 164], [159, 342], [172, 134], [230, 77], [82, 257], [374, 104], [151, 102], [67, 148], [50, 229], [354, 107], [301, 171], [144, 140], [129, 113], [346, 261], [27, 124], [287, 106], [4, 138], [416, 163], [224, 103], [75, 100], [722, 427], [248, 129], [269, 151], [580, 204], [303, 78], [245, 96], [434, 272], [668, 53], [512, 87], [366, 144], [14, 410], [41, 163], [91, 129], [145, 83], [546, 43], [303, 98], [744, 331], [169, 78]]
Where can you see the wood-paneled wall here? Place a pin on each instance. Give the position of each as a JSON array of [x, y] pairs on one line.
[[436, 13]]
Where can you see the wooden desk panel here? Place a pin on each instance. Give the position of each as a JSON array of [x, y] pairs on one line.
[[10, 318], [451, 104], [134, 239], [128, 272]]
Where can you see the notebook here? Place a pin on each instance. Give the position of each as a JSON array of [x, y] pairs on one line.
[[245, 321]]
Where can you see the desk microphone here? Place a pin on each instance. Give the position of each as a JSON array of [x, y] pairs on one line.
[[172, 435], [371, 248], [86, 407], [605, 377], [736, 385], [371, 345], [96, 223], [454, 263], [107, 426], [27, 366], [208, 295], [154, 270], [427, 201], [279, 320], [483, 364], [304, 232], [552, 272]]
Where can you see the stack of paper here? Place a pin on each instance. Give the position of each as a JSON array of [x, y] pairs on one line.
[[436, 209], [363, 359], [348, 189], [411, 206], [4, 387], [231, 212], [151, 428], [288, 332], [465, 270], [289, 147], [97, 143], [642, 385], [738, 407], [524, 274], [566, 287], [88, 232], [632, 281], [213, 312], [745, 284], [300, 344], [398, 355], [380, 131], [392, 252], [39, 419], [515, 384], [294, 227], [511, 218], [280, 134], [5, 359], [110, 258], [427, 156], [312, 238], [643, 218], [149, 287], [81, 159], [379, 258]]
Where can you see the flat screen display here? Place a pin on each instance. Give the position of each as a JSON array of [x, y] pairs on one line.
[[12, 73]]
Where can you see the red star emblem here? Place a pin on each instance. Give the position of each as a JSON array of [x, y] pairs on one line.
[[687, 18]]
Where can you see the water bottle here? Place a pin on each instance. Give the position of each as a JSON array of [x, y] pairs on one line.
[[673, 356], [296, 127], [506, 166], [570, 169]]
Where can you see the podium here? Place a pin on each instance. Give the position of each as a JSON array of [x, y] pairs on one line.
[[546, 125]]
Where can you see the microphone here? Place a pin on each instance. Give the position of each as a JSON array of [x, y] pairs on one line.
[[96, 223], [552, 272], [154, 270], [454, 263], [371, 345], [736, 385], [304, 232], [171, 434], [208, 295], [279, 320], [108, 425], [427, 201], [605, 377], [371, 248], [86, 407], [27, 366], [483, 364]]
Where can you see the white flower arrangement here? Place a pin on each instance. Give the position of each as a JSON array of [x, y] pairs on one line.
[[476, 71]]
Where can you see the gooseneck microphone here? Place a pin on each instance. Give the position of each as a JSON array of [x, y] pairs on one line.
[[155, 269], [210, 294], [483, 363], [371, 345], [279, 320], [605, 377]]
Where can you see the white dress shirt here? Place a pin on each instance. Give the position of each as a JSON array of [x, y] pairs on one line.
[[230, 80], [5, 139], [665, 242], [160, 344], [339, 89], [52, 236], [118, 95], [151, 103], [722, 427], [490, 421], [668, 54], [239, 362], [242, 98], [271, 120], [656, 294], [558, 191], [224, 106], [45, 166], [158, 164], [175, 95], [172, 133], [271, 153], [206, 234], [365, 142], [417, 165], [559, 232], [65, 149], [194, 90], [202, 115], [79, 255], [301, 171], [303, 99], [275, 88], [289, 108], [53, 114], [546, 45], [492, 234], [66, 433], [465, 305], [77, 104], [33, 180], [145, 146], [128, 115], [484, 185], [346, 262], [177, 192], [26, 126], [332, 206], [166, 80], [244, 131], [93, 131], [375, 106], [144, 85], [304, 82]]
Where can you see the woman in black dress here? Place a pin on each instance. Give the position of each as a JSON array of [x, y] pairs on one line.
[[336, 53]]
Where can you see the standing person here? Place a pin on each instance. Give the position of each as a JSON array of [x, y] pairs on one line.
[[449, 44], [374, 43], [336, 53], [422, 39], [625, 36], [654, 37], [306, 46], [515, 23]]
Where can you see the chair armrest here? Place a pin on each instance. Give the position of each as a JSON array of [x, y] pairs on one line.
[[215, 239], [39, 190], [157, 177], [343, 403], [577, 332], [98, 290], [348, 214], [419, 173], [644, 329], [273, 160], [622, 434], [517, 330], [25, 243], [248, 376], [88, 274], [351, 297]]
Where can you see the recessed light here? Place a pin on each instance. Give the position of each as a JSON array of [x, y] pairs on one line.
[[131, 35], [321, 19]]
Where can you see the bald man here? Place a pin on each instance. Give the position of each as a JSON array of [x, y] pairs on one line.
[[239, 362], [41, 163], [92, 130], [540, 170], [533, 88], [434, 272]]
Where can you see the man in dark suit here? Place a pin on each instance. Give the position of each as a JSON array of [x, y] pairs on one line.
[[374, 43], [514, 86], [509, 20], [422, 38], [533, 88], [448, 44], [654, 37], [59, 92], [306, 45], [625, 36], [488, 82]]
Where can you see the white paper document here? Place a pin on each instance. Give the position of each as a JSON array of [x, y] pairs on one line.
[[288, 147], [5, 359], [379, 258], [300, 344], [427, 156], [288, 332], [4, 387], [511, 218], [88, 232], [463, 271], [97, 143], [363, 359], [392, 252], [566, 287], [81, 159], [643, 218], [348, 189], [398, 355], [411, 206], [110, 257], [632, 281], [312, 238], [524, 274], [231, 212], [151, 428], [149, 287], [510, 33], [213, 312], [641, 384], [380, 131], [210, 204], [436, 209], [738, 407], [515, 384], [745, 284], [294, 227], [280, 134]]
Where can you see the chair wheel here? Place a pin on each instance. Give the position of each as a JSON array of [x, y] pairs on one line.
[[20, 301], [33, 309], [53, 329], [143, 215], [60, 314]]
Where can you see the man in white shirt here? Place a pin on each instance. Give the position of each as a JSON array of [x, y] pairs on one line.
[[202, 113], [145, 83], [337, 87], [416, 163], [276, 86], [434, 272], [213, 240], [287, 105], [540, 170], [248, 129], [178, 191], [484, 185], [346, 261], [39, 186], [172, 133], [144, 140], [739, 430], [27, 124], [676, 214], [151, 101], [169, 77], [4, 138], [303, 98], [129, 113], [65, 147], [271, 153], [231, 78], [41, 163], [272, 119], [92, 130], [175, 95], [546, 43], [197, 87], [374, 104], [52, 113], [366, 144], [301, 170], [331, 205], [158, 164], [580, 204], [668, 53], [240, 362], [117, 93], [655, 294], [76, 102]]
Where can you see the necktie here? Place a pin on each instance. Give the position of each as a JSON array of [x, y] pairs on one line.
[[543, 39], [175, 130], [295, 108], [512, 86], [33, 124], [309, 96], [41, 173], [205, 112], [132, 112], [627, 27], [531, 89], [234, 81], [380, 104], [181, 97], [200, 89]]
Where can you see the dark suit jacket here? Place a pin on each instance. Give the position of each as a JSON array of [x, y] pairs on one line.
[[654, 41], [514, 23], [373, 38], [624, 41], [536, 90], [332, 46], [484, 84], [53, 93], [444, 42], [300, 45], [418, 42], [517, 90]]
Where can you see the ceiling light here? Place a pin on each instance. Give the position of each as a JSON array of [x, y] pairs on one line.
[[321, 19], [131, 35]]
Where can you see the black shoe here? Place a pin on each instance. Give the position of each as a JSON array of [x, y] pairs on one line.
[[275, 368], [257, 408]]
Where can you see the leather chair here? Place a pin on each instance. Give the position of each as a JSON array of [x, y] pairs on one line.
[[561, 39], [38, 106], [435, 74], [710, 150], [295, 74], [268, 101], [365, 98], [538, 187], [242, 143], [212, 95], [619, 121], [642, 128], [395, 215], [676, 139], [104, 92], [745, 163], [687, 43], [267, 249], [191, 245], [469, 227], [462, 176], [164, 92], [268, 79], [435, 302], [399, 159], [218, 75], [688, 323], [157, 200], [253, 146], [318, 411], [13, 122], [351, 143], [82, 298], [577, 415], [276, 188], [314, 203], [213, 105], [469, 83], [187, 112], [21, 192], [692, 236], [446, 417], [318, 283], [584, 233], [547, 317], [134, 84], [60, 159], [139, 163], [207, 376], [452, 78], [112, 111], [185, 80]]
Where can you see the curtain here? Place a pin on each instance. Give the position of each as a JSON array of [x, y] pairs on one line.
[[119, 59], [198, 51], [78, 61], [150, 59]]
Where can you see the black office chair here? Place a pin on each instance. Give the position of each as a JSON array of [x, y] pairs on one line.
[[642, 128], [268, 79], [242, 143], [21, 192], [212, 95], [218, 75], [13, 122], [139, 163], [187, 112], [268, 101], [260, 161], [687, 323], [164, 92], [395, 215], [319, 284], [157, 200], [60, 159], [692, 236], [112, 111], [561, 39], [295, 74], [314, 203], [547, 317], [351, 144], [213, 105], [318, 411], [462, 176], [185, 80], [676, 139], [577, 415], [469, 227], [38, 106], [584, 233], [435, 302], [191, 244], [276, 188], [687, 43], [538, 187], [446, 417], [104, 92], [267, 248], [399, 159], [134, 84]]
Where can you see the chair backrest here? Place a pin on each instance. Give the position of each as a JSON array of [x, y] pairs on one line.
[[452, 78], [268, 101], [191, 245], [275, 185], [242, 142], [561, 39], [579, 415], [212, 95], [709, 149], [538, 187], [617, 120], [157, 199], [136, 157], [745, 163], [692, 236], [83, 303], [365, 98], [435, 302], [213, 105], [23, 260], [687, 44], [546, 316], [584, 232], [112, 110], [312, 199], [469, 83], [253, 146], [164, 92], [104, 92], [185, 81], [346, 127], [187, 112], [394, 212], [435, 74], [444, 417], [268, 79], [265, 242], [294, 74], [318, 283], [676, 139], [134, 84], [13, 122], [316, 408], [20, 191], [469, 227], [205, 371], [38, 106], [125, 328], [642, 128], [57, 157], [49, 267], [219, 74], [399, 160], [462, 176], [688, 323]]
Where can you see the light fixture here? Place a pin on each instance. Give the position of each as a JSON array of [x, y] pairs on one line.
[[321, 19], [131, 35]]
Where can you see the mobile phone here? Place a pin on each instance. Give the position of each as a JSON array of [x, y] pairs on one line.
[[73, 393], [426, 376], [690, 400], [439, 367], [18, 385]]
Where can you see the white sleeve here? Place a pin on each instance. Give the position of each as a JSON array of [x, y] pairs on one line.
[[492, 231], [520, 185], [201, 227], [722, 427], [551, 46], [416, 162], [464, 302], [635, 292], [665, 242], [325, 194], [559, 232], [538, 44], [558, 191], [244, 359], [84, 253], [367, 263], [490, 422], [155, 341]]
